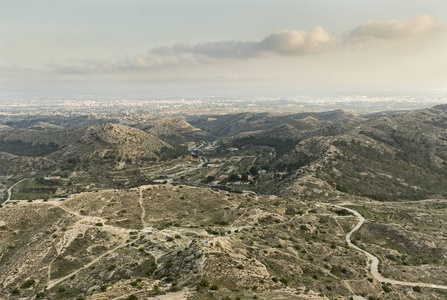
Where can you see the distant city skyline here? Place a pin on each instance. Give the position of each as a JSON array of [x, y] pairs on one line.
[[226, 47]]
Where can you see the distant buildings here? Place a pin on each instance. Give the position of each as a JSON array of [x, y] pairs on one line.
[[219, 180], [193, 159]]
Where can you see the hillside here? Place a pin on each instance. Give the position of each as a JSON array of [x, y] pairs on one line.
[[22, 141], [27, 151], [113, 142], [173, 130], [400, 156], [233, 124], [53, 121], [116, 243], [335, 208], [11, 165], [180, 242]]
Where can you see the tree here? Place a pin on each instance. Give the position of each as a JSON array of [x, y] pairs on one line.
[[234, 177], [209, 179], [253, 170]]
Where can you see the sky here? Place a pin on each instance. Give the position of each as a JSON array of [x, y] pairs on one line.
[[276, 46]]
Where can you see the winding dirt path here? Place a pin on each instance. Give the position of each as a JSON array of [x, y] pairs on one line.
[[56, 281], [143, 211], [374, 260], [142, 217]]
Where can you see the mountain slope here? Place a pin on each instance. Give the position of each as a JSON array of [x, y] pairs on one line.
[[174, 131], [232, 124], [112, 141], [403, 156], [111, 244]]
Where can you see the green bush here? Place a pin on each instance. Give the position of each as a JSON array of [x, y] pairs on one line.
[[386, 288], [27, 284], [204, 283]]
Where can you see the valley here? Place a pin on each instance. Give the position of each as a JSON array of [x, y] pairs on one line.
[[323, 205]]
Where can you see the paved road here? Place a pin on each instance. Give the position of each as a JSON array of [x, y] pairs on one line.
[[374, 260]]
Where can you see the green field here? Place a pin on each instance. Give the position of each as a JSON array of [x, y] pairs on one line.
[[40, 188]]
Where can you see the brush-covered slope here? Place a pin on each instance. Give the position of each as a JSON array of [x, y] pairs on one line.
[[173, 130], [13, 164], [29, 150], [175, 241], [401, 156], [37, 142], [47, 121], [112, 141], [232, 124]]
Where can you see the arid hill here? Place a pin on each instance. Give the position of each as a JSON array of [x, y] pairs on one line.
[[233, 124], [113, 141], [401, 156]]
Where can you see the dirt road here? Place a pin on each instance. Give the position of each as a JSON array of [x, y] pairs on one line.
[[374, 260]]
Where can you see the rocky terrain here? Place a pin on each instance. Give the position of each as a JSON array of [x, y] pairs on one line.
[[400, 156], [344, 207], [181, 242], [233, 124], [113, 141], [50, 150]]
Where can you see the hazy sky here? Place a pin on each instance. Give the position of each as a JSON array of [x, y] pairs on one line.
[[110, 46]]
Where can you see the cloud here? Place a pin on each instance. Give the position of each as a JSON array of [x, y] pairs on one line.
[[142, 62], [283, 42], [297, 42], [221, 49], [280, 43], [393, 29]]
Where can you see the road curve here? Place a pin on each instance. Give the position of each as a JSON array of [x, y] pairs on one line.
[[374, 260], [9, 191]]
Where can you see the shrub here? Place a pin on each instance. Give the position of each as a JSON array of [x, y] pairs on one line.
[[204, 283], [27, 284], [386, 288], [156, 290], [417, 289]]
